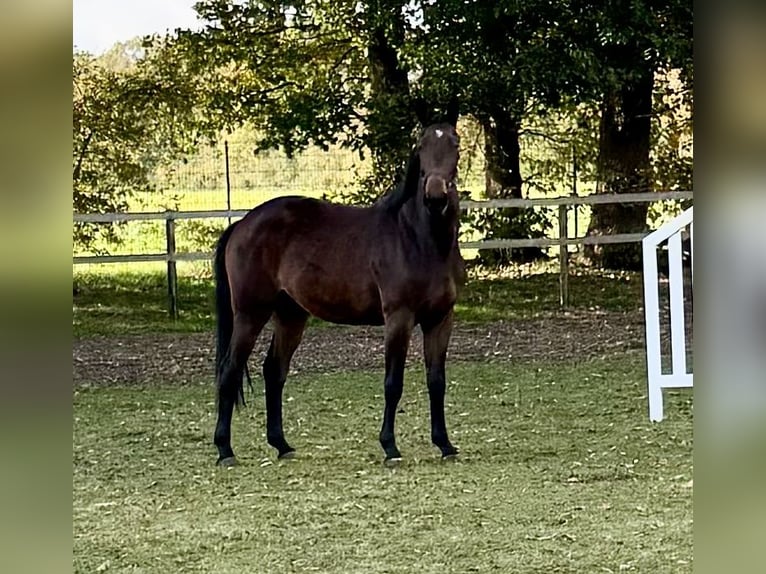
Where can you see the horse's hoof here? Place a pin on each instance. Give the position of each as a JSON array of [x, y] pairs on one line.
[[228, 462], [450, 457], [393, 462], [289, 455]]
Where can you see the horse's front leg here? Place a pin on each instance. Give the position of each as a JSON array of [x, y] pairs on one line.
[[398, 330], [435, 341]]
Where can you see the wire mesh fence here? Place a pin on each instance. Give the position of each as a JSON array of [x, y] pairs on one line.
[[234, 175]]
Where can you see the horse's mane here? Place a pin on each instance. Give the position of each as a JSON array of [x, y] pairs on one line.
[[406, 188]]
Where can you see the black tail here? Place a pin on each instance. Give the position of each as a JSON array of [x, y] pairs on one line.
[[224, 312]]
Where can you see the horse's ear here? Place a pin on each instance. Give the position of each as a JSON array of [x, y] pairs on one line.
[[453, 110], [420, 108]]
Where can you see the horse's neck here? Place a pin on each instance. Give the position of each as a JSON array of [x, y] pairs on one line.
[[438, 235], [445, 237]]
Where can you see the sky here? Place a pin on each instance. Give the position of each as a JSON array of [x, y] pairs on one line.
[[98, 24]]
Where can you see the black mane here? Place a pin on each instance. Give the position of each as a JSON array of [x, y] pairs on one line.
[[407, 187]]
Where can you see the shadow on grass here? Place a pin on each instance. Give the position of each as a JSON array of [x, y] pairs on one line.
[[134, 303]]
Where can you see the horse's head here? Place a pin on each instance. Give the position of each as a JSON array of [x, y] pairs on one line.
[[438, 154]]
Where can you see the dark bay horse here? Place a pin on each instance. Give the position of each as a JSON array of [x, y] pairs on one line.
[[395, 263]]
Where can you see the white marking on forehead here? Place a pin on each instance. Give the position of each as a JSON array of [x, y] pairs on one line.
[[439, 133]]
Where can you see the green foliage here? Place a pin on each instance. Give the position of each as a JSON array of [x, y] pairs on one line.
[[295, 73], [128, 120], [561, 471], [672, 132], [502, 57], [515, 71], [354, 72], [626, 37], [632, 43], [314, 73]]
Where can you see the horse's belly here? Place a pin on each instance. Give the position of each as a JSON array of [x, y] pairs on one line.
[[339, 302]]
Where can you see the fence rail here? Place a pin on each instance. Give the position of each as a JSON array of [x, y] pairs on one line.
[[171, 256], [599, 199]]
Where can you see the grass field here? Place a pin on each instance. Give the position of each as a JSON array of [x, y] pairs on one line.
[[560, 471]]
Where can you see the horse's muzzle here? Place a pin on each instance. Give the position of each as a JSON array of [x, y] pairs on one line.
[[435, 195], [435, 188]]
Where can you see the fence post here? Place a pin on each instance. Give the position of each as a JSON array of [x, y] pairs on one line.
[[563, 258], [228, 177], [575, 207], [170, 237]]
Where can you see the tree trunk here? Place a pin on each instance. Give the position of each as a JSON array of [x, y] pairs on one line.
[[391, 119], [502, 177], [624, 167]]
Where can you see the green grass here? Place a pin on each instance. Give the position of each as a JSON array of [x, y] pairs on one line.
[[135, 303], [560, 471], [491, 299]]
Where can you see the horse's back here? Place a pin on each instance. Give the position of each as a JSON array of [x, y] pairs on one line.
[[317, 252], [299, 225]]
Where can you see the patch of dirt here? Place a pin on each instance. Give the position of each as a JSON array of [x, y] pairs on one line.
[[181, 358]]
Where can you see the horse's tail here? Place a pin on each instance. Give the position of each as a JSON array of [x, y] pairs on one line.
[[224, 314]]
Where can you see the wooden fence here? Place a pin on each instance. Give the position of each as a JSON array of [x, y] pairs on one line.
[[171, 256]]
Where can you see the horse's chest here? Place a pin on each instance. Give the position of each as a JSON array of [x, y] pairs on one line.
[[428, 288], [432, 295], [440, 294]]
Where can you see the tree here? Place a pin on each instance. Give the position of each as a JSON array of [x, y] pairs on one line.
[[633, 41], [129, 115], [313, 72], [296, 73], [511, 62], [359, 73]]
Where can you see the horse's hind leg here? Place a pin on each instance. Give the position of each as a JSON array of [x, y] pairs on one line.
[[247, 327], [289, 323]]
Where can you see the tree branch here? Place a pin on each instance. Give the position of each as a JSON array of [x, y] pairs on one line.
[[83, 149], [339, 61], [552, 138]]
